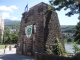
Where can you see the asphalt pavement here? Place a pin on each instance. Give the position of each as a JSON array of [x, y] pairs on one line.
[[11, 55]]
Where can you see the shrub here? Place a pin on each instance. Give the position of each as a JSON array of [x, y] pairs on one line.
[[58, 48]]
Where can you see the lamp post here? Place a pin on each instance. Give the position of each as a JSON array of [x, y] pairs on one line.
[[78, 3]]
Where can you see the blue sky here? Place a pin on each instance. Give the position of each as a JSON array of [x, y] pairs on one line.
[[13, 9]]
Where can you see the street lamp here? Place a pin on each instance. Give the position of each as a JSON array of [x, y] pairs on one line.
[[78, 3]]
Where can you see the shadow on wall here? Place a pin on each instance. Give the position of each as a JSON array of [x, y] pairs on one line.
[[44, 56]]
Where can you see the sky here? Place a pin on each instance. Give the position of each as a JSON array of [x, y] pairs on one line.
[[13, 9]]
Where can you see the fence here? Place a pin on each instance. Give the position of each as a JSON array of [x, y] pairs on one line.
[[44, 56]]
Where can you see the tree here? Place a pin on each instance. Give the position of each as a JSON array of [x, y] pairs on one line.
[[76, 48], [66, 4], [11, 39], [57, 48], [14, 38], [77, 33]]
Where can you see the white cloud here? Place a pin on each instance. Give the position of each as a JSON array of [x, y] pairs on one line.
[[13, 7], [14, 18], [5, 8], [5, 15], [10, 8]]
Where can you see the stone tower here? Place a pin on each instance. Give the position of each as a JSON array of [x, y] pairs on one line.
[[39, 27]]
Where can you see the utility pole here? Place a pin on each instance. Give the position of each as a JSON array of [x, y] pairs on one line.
[[2, 28]]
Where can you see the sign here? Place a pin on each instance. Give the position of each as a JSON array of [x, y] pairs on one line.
[[28, 30]]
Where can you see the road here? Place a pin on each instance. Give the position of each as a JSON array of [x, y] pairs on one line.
[[11, 55]]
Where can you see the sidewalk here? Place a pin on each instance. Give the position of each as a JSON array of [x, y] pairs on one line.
[[11, 55], [13, 51]]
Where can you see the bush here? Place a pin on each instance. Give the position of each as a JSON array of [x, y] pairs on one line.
[[76, 48], [57, 48]]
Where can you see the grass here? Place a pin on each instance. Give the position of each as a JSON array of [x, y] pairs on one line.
[[2, 46]]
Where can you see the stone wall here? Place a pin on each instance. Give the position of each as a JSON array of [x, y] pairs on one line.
[[47, 29], [54, 30], [43, 56]]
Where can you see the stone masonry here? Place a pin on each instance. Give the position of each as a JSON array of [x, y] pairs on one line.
[[47, 29]]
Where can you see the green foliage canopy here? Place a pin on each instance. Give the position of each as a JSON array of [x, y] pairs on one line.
[[11, 38], [77, 33], [57, 48], [66, 4], [76, 48]]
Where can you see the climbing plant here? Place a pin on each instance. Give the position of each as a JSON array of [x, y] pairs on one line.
[[57, 48]]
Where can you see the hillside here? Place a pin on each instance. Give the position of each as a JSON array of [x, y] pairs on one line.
[[67, 30], [9, 22], [64, 28]]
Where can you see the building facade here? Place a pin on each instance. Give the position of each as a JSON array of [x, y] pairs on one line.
[[12, 31], [39, 27]]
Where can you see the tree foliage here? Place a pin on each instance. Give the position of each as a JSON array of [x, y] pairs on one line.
[[66, 4], [77, 33], [10, 38], [14, 38], [76, 48], [57, 48]]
